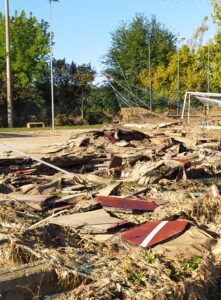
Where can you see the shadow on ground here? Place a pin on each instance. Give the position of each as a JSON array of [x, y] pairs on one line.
[[13, 135]]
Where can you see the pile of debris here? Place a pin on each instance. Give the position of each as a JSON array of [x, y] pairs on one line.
[[115, 213]]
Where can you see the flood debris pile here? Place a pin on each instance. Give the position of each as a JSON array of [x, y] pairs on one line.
[[130, 215]]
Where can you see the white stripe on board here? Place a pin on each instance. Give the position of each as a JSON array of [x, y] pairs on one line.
[[151, 235]]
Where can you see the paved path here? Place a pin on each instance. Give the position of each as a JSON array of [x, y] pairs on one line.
[[35, 142]]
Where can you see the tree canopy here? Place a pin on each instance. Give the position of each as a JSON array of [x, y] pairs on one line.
[[29, 40], [127, 61], [31, 74]]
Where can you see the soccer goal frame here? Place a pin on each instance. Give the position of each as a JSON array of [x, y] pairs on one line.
[[203, 97]]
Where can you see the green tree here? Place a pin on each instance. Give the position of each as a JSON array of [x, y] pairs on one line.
[[193, 71], [216, 4], [102, 104], [29, 56], [73, 85], [165, 79], [128, 57], [84, 76]]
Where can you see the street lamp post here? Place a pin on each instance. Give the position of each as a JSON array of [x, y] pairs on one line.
[[52, 73], [178, 81], [208, 67], [8, 67], [150, 87], [178, 75], [208, 75]]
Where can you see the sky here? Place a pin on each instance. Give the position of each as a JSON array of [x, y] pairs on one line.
[[82, 28]]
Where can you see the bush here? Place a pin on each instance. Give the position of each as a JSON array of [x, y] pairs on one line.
[[61, 120]]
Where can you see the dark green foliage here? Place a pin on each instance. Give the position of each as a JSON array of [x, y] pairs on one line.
[[29, 56], [128, 56]]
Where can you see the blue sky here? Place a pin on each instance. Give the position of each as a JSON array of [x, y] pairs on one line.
[[82, 27]]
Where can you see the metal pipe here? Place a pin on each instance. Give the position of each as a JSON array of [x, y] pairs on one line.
[[178, 74], [184, 105], [36, 159], [204, 94], [8, 66], [209, 100], [208, 68], [150, 91], [188, 116], [52, 74], [178, 81]]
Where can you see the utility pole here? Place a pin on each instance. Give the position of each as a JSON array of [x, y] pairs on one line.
[[8, 67], [178, 81], [208, 75], [208, 68], [52, 71], [178, 75], [150, 87]]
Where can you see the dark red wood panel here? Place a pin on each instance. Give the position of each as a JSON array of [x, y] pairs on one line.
[[138, 234], [127, 203], [116, 162]]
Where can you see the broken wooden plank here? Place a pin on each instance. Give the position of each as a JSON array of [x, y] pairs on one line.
[[214, 191], [96, 221], [35, 280], [168, 124], [128, 134], [34, 201], [70, 199], [108, 190], [36, 159], [94, 179], [28, 281], [44, 221]]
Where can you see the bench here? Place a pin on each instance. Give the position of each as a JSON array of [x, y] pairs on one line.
[[35, 124]]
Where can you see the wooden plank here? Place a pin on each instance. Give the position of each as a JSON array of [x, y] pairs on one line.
[[96, 221], [28, 281]]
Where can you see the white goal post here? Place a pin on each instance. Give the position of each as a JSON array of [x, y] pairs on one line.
[[206, 98]]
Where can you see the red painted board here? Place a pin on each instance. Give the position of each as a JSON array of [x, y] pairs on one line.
[[110, 138], [153, 232], [127, 203], [116, 162], [181, 160], [25, 171]]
